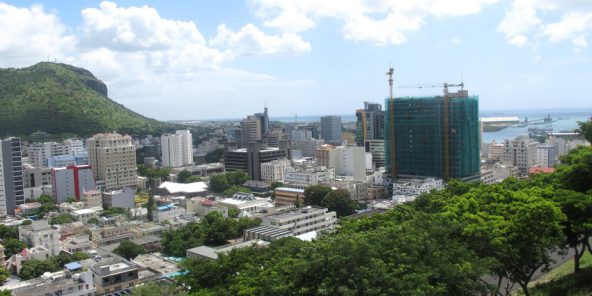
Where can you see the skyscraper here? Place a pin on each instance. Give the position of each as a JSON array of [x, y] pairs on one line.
[[331, 129], [113, 160], [370, 123], [177, 149], [433, 136], [11, 176], [251, 129]]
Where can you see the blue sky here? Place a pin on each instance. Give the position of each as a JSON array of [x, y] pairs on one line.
[[223, 59]]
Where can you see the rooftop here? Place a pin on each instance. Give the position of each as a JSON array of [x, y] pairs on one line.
[[173, 188]]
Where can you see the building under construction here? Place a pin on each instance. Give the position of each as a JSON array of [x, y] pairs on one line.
[[433, 136]]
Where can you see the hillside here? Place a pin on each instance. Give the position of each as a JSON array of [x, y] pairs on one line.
[[62, 99]]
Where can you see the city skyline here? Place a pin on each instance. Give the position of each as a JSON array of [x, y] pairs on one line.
[[178, 60]]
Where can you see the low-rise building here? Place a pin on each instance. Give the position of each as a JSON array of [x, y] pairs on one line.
[[167, 213], [123, 198], [40, 233], [285, 196], [273, 171], [187, 190], [303, 177], [83, 215], [245, 202], [205, 252], [110, 231], [302, 220], [114, 276], [201, 206], [65, 283], [77, 244]]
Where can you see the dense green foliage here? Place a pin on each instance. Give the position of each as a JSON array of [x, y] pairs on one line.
[[213, 229], [585, 130], [215, 155], [35, 268], [158, 289], [61, 219], [12, 246], [112, 212], [3, 274], [59, 99], [338, 200], [7, 232], [153, 173], [129, 250], [222, 182], [185, 176], [447, 242], [47, 205]]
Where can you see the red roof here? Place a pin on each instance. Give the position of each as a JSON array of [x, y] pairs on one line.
[[207, 202], [538, 170]]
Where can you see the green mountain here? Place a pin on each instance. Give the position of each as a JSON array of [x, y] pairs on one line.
[[62, 99]]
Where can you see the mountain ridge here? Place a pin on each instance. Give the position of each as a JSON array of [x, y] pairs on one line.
[[63, 99]]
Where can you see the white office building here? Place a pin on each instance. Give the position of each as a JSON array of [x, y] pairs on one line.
[[177, 149], [520, 152], [546, 155], [274, 170], [350, 161]]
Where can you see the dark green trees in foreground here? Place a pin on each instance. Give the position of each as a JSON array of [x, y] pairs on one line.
[[447, 242]]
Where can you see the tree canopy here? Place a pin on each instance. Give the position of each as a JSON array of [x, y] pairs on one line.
[[129, 250]]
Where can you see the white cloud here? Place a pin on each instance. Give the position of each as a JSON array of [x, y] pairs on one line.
[[249, 40], [148, 61], [524, 20], [455, 41], [378, 21], [30, 34]]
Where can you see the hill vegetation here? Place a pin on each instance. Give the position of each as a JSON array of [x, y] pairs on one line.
[[63, 99]]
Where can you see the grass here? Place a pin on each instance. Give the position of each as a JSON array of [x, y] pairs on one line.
[[562, 280]]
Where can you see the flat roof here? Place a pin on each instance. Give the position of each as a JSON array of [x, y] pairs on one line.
[[195, 187], [288, 189]]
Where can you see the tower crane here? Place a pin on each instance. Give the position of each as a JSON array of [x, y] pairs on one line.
[[444, 86]]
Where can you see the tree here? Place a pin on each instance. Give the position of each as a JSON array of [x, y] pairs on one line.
[[219, 183], [234, 189], [7, 232], [576, 171], [129, 250], [12, 246], [61, 219], [70, 200], [275, 185], [92, 220], [183, 176], [5, 293], [577, 207], [315, 194], [215, 155], [4, 274], [158, 289], [339, 200], [237, 177], [35, 268], [585, 130], [27, 222], [233, 212], [217, 229], [47, 204], [193, 179]]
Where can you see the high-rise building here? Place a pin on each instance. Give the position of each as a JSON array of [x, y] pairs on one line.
[[546, 155], [274, 170], [433, 136], [39, 153], [350, 161], [251, 129], [520, 152], [249, 159], [177, 149], [113, 160], [11, 176], [370, 123], [71, 182], [331, 129]]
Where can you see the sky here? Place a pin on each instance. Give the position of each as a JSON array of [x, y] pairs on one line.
[[175, 60]]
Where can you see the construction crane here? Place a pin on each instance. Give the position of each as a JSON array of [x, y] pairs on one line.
[[447, 129], [444, 86]]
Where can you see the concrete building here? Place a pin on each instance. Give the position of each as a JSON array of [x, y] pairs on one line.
[[302, 220], [110, 230], [202, 206], [376, 149], [520, 152], [331, 129], [274, 170], [308, 146], [123, 198], [496, 151], [83, 215], [36, 177], [249, 159], [113, 160], [369, 124], [112, 276], [59, 161], [245, 202], [405, 190], [351, 161], [71, 182], [11, 176], [167, 213], [177, 149], [301, 178], [251, 129], [326, 156], [64, 282], [185, 189], [285, 196], [358, 190], [40, 233], [40, 153], [546, 155], [205, 252]]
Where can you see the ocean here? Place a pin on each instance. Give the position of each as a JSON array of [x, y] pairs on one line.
[[563, 120]]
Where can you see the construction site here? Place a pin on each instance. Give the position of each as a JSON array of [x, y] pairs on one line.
[[433, 136]]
